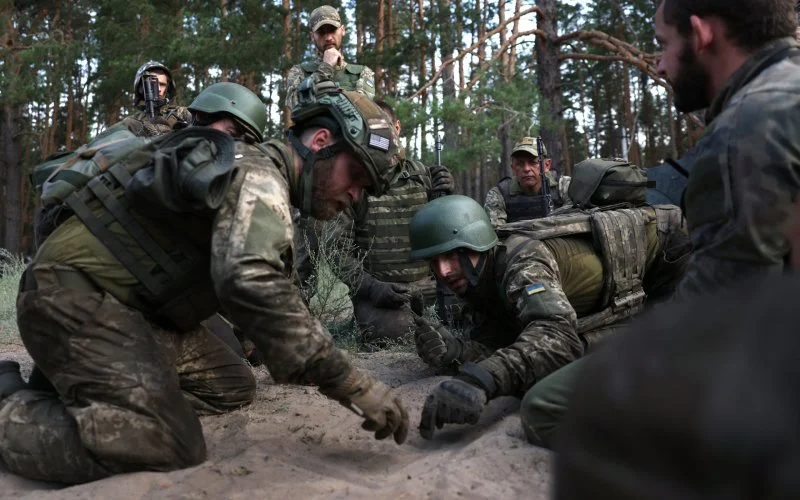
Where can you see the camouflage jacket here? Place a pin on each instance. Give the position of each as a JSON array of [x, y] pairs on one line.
[[745, 174], [169, 115], [357, 77], [376, 229], [532, 295], [495, 204], [251, 260]]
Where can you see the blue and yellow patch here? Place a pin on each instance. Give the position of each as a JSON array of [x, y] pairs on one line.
[[534, 289]]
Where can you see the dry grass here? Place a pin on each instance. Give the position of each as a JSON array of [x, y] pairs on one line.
[[11, 268]]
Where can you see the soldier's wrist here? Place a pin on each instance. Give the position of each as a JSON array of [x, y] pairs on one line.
[[475, 374]]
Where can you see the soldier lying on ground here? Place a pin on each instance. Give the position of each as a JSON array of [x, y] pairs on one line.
[[542, 296], [110, 308]]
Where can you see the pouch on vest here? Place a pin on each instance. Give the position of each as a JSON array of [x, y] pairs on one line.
[[602, 182], [63, 173]]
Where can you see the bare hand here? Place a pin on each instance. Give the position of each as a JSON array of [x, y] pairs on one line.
[[332, 56]]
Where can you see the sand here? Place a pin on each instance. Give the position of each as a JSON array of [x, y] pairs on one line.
[[294, 443]]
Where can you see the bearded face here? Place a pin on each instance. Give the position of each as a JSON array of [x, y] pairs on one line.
[[690, 82]]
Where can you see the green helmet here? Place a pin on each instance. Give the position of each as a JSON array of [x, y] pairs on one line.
[[448, 223], [358, 124], [239, 102]]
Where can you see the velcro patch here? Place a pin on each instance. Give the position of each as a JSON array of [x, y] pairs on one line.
[[534, 289], [379, 142]]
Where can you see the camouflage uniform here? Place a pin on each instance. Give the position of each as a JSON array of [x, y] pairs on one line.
[[496, 203], [349, 77], [124, 370], [745, 174], [378, 229], [168, 116], [542, 302]]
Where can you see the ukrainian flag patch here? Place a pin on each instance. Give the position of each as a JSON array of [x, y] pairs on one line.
[[534, 289]]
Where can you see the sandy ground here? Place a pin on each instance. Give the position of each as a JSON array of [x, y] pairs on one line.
[[294, 443]]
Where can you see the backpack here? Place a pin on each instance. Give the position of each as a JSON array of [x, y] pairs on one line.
[[598, 182], [114, 142]]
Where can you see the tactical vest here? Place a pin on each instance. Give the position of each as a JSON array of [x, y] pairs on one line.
[[347, 78], [620, 237], [383, 226], [166, 207], [521, 206]]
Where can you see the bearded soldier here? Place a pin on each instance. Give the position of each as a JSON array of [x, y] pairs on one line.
[[521, 197], [327, 34], [543, 295], [167, 113], [110, 308], [384, 282]]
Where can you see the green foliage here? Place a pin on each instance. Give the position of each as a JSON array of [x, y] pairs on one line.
[[11, 268]]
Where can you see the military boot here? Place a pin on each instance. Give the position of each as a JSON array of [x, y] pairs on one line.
[[10, 379]]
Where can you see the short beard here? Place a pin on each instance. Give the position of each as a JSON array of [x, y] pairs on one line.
[[691, 84], [322, 207]]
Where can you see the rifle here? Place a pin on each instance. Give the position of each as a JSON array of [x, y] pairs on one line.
[[547, 199], [151, 97], [441, 289]]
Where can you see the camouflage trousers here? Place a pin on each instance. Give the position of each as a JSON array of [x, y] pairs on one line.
[[382, 323], [128, 391]]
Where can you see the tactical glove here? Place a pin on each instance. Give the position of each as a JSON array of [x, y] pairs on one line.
[[442, 180], [436, 346], [459, 400], [381, 409], [382, 293]]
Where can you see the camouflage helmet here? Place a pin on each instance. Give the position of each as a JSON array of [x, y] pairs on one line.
[[239, 102], [358, 125], [449, 223], [138, 92]]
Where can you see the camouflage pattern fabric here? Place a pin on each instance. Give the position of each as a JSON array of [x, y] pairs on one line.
[[121, 380], [698, 400], [377, 228], [745, 174], [140, 125], [495, 203], [527, 304], [364, 83], [76, 334]]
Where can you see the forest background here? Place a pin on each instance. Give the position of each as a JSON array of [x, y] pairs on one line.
[[480, 73]]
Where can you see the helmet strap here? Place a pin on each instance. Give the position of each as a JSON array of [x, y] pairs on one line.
[[471, 273], [306, 182]]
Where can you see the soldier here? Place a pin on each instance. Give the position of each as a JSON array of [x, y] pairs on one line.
[[327, 33], [541, 297], [739, 59], [383, 283], [518, 198], [110, 307], [168, 114], [699, 400]]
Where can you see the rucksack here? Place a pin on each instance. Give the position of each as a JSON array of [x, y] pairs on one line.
[[598, 182], [64, 173]]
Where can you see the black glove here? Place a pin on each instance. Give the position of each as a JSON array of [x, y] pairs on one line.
[[435, 344], [442, 180], [459, 400], [382, 293]]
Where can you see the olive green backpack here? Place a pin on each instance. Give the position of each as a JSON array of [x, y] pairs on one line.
[[598, 182]]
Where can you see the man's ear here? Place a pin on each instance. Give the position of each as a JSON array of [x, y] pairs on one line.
[[321, 138], [397, 127], [703, 33], [547, 163], [343, 33]]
